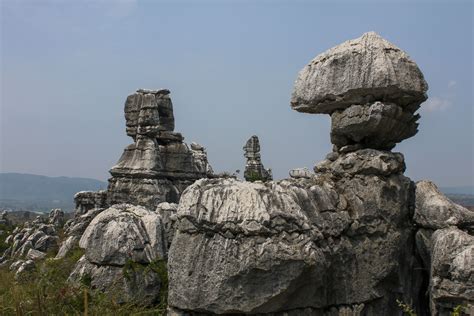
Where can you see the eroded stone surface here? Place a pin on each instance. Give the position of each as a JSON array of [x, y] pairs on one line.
[[32, 241], [434, 210], [370, 88], [359, 71], [378, 125], [445, 241], [158, 166], [269, 247], [120, 243]]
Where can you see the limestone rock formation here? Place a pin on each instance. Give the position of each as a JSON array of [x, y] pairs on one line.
[[436, 211], [351, 239], [293, 245], [88, 205], [56, 217], [167, 212], [86, 200], [370, 88], [359, 71], [254, 169], [158, 166], [33, 240], [445, 241], [300, 173], [120, 243]]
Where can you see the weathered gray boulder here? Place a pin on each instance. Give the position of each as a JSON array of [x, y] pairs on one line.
[[245, 247], [86, 200], [75, 228], [121, 243], [378, 125], [300, 173], [359, 71], [35, 255], [124, 232], [434, 210], [445, 241], [452, 270], [88, 205], [56, 217], [363, 162]]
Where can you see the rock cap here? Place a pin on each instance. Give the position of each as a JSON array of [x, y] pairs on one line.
[[359, 71]]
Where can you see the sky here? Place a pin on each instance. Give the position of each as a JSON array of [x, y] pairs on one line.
[[68, 66]]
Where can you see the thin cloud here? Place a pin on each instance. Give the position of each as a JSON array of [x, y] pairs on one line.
[[437, 104]]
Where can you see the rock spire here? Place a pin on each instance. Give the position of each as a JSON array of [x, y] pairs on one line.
[[158, 165], [254, 169]]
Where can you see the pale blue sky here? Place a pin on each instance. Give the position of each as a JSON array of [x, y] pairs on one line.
[[67, 67]]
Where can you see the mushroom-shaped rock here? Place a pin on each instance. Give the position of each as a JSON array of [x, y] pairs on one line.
[[359, 71]]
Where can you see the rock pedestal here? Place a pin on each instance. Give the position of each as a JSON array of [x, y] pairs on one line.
[[254, 169]]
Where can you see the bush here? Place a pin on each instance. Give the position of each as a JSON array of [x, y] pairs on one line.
[[253, 176]]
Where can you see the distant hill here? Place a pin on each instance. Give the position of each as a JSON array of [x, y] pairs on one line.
[[29, 192], [464, 190], [461, 195]]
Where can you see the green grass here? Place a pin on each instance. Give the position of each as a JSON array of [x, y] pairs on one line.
[[46, 291], [408, 310]]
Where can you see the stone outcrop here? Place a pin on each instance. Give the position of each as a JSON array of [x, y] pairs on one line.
[[88, 205], [33, 241], [300, 173], [295, 244], [370, 88], [445, 241], [359, 71], [4, 218], [86, 200], [254, 169], [120, 243], [158, 166]]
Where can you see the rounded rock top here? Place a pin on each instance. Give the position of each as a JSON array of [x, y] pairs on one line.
[[359, 71], [155, 91]]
